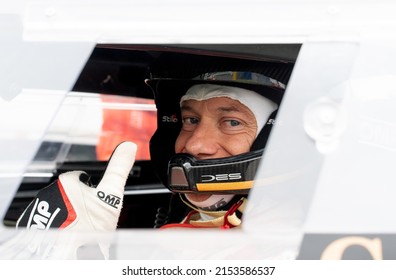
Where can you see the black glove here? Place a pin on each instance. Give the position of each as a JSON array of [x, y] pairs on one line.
[[72, 204]]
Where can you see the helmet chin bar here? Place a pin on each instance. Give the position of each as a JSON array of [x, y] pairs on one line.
[[233, 174]]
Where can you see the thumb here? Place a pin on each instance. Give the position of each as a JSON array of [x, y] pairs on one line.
[[119, 167]]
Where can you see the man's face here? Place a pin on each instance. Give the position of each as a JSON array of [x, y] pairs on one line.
[[215, 128]]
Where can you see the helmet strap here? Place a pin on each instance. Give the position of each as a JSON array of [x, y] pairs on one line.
[[262, 137]]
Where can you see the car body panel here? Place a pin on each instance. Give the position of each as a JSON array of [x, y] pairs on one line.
[[328, 165]]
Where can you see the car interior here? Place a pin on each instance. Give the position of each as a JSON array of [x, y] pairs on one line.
[[110, 103]]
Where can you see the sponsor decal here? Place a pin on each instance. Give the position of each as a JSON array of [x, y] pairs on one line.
[[170, 119], [109, 199], [221, 177], [41, 217], [348, 247], [271, 121]]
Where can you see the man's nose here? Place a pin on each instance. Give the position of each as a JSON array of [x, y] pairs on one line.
[[202, 142]]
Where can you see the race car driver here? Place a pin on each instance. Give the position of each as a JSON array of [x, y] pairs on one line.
[[216, 127], [211, 133]]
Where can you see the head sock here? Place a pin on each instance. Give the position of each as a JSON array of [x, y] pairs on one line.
[[260, 106]]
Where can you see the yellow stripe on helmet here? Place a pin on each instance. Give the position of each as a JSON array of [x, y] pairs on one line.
[[204, 187]]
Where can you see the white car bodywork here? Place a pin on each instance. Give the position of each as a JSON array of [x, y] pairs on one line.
[[328, 167]]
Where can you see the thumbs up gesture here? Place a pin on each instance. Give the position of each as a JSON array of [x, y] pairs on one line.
[[75, 207]]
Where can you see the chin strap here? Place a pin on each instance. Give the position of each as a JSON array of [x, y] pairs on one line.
[[223, 219]]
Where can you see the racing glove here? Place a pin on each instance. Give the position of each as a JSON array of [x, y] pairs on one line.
[[83, 212]]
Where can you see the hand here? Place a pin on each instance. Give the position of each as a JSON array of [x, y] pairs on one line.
[[72, 204]]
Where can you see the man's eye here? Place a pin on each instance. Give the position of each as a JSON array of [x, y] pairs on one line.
[[190, 121], [234, 123]]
